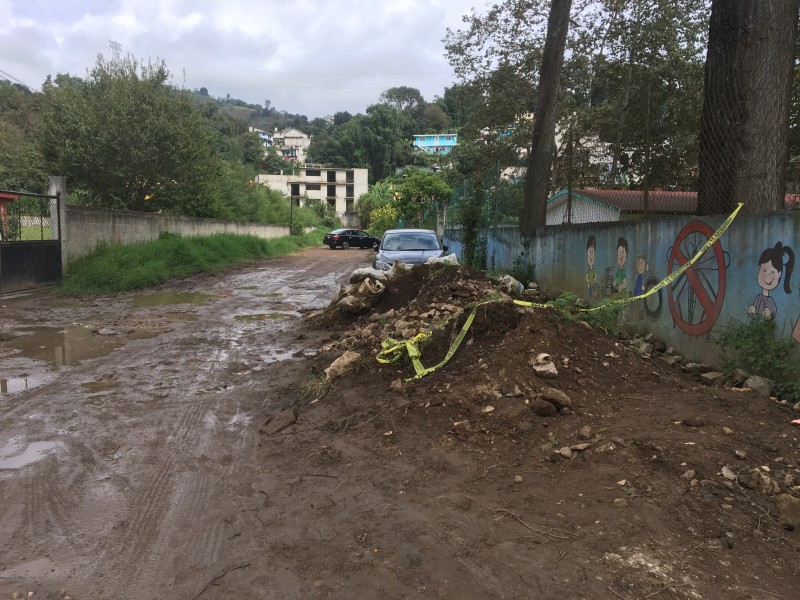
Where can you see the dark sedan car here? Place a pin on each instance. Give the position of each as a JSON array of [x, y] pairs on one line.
[[350, 238]]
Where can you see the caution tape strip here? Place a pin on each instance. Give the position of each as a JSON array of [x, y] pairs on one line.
[[661, 284], [393, 349]]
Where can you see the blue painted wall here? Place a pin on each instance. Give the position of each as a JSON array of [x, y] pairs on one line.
[[721, 287]]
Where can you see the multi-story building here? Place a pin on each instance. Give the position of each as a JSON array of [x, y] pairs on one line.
[[264, 136], [336, 187], [435, 143], [293, 144]]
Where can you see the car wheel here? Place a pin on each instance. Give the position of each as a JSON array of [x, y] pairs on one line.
[[332, 246], [345, 245]]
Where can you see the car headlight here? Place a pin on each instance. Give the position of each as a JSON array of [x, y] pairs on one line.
[[382, 264]]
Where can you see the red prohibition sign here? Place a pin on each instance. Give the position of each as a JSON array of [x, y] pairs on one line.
[[703, 283]]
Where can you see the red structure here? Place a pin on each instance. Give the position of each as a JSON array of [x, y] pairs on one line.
[[5, 198]]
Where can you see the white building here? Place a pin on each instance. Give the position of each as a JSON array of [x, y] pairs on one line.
[[339, 188], [293, 144]]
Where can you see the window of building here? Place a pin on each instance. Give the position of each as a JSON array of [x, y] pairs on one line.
[[348, 191], [349, 177], [350, 205], [312, 173], [313, 187], [331, 191], [331, 176], [295, 189], [332, 202]]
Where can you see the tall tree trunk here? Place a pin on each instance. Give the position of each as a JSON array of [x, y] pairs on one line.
[[540, 160], [745, 123]]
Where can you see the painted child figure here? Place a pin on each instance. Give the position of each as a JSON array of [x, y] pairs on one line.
[[770, 272], [591, 274], [621, 279], [641, 267]]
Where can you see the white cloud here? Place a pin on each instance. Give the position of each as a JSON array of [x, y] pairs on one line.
[[313, 57]]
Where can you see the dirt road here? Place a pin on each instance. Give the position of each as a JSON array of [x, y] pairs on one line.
[[131, 471], [150, 466]]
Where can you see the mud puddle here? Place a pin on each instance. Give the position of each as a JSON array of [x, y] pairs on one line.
[[33, 452], [170, 298]]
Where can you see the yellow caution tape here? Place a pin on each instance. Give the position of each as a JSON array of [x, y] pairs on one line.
[[393, 349], [664, 282]]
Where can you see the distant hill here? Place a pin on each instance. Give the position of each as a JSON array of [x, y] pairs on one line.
[[254, 115]]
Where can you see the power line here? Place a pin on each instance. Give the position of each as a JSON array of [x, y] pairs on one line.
[[22, 83]]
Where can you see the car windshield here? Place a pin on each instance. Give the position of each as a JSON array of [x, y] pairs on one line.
[[410, 241]]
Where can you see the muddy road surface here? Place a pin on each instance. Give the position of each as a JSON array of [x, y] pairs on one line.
[[129, 426]]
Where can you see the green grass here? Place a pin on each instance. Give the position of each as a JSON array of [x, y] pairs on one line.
[[113, 269]]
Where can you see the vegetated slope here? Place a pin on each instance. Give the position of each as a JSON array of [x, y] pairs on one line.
[[623, 476]]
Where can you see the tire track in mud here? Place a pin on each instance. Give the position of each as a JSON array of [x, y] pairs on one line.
[[172, 498]]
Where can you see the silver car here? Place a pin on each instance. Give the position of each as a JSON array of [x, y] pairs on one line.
[[410, 246]]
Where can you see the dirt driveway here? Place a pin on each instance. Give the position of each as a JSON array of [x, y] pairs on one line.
[[155, 463], [131, 471]]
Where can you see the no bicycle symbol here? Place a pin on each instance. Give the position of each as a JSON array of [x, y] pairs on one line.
[[697, 295]]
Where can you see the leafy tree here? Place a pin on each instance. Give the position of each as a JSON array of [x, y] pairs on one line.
[[404, 99], [418, 192], [340, 118], [378, 195], [130, 140]]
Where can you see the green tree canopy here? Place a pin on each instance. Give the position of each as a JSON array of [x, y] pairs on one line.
[[129, 140]]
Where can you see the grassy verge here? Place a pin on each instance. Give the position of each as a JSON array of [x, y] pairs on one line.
[[120, 268]]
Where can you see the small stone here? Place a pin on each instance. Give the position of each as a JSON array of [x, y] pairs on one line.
[[517, 478], [620, 502], [280, 422], [727, 431], [543, 408], [728, 474], [566, 452], [396, 385], [760, 385], [711, 377], [487, 409], [585, 433], [566, 411], [579, 447], [690, 474], [726, 506], [557, 397], [740, 454], [789, 511], [694, 422]]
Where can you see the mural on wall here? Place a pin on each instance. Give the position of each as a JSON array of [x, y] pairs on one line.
[[696, 297], [591, 274], [645, 280], [770, 272], [620, 276]]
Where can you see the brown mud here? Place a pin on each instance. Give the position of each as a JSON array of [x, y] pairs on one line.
[[160, 469]]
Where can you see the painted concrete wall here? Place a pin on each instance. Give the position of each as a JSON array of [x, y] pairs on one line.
[[85, 227], [727, 283]]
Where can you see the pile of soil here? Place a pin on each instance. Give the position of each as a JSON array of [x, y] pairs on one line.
[[622, 476]]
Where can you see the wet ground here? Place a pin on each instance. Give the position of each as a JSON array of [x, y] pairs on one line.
[[153, 454], [123, 419]]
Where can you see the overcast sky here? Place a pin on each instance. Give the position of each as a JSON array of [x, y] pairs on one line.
[[312, 57]]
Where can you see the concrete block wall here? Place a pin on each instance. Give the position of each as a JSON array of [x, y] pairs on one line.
[[747, 271], [84, 228]]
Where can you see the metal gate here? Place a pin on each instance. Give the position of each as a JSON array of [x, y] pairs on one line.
[[30, 240]]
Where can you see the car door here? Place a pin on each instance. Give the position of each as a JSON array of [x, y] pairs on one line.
[[362, 239]]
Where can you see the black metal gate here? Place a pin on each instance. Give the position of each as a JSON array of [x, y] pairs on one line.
[[30, 240]]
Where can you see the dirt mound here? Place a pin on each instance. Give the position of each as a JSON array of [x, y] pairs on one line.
[[651, 481]]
